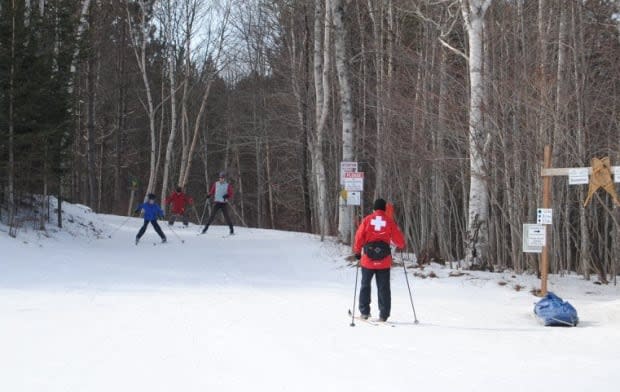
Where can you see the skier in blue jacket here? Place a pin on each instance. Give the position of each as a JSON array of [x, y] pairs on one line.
[[152, 211]]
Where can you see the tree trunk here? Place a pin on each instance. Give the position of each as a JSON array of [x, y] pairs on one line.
[[270, 198], [173, 124], [120, 118], [184, 176], [345, 215], [477, 227], [376, 16], [321, 87], [90, 125], [139, 47], [11, 147]]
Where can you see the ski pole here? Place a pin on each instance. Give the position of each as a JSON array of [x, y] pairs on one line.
[[204, 211], [176, 235], [357, 270], [409, 288], [118, 228], [196, 213]]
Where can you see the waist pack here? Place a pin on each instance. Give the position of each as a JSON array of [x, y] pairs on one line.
[[377, 250]]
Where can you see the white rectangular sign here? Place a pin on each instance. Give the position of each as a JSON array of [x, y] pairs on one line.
[[536, 235], [354, 198], [544, 216], [354, 181], [617, 174], [346, 167], [578, 176], [532, 238]]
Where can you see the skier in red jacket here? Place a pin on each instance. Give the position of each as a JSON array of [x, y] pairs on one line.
[[374, 236], [178, 201]]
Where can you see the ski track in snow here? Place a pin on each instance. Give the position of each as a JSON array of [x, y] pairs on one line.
[[266, 311]]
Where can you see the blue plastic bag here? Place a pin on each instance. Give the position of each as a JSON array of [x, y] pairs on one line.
[[554, 311]]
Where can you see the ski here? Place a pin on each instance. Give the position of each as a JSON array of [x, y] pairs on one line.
[[374, 321]]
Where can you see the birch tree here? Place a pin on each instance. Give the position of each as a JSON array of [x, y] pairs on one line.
[[345, 217], [322, 43], [170, 23], [139, 37], [217, 27], [477, 225]]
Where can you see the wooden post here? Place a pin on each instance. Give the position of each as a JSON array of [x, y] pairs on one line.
[[547, 173], [544, 258]]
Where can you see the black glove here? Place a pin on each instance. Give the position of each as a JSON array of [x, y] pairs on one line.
[[136, 212], [225, 197], [358, 256], [208, 196]]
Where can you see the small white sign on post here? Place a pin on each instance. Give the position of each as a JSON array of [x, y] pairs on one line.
[[346, 167], [354, 181], [534, 238], [578, 176], [544, 216], [354, 198], [617, 174], [536, 235]]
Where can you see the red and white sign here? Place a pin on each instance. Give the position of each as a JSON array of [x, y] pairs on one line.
[[353, 181], [346, 167]]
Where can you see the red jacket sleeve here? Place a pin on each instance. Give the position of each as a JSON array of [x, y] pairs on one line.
[[360, 237], [230, 191], [212, 190], [168, 199]]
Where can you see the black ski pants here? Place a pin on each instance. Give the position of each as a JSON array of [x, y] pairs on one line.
[[216, 208], [173, 218], [382, 277], [155, 226]]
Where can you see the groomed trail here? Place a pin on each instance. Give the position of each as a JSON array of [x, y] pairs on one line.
[[267, 311]]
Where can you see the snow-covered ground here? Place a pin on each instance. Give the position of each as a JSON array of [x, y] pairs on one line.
[[267, 311]]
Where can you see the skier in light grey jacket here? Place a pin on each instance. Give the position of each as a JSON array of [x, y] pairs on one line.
[[222, 192]]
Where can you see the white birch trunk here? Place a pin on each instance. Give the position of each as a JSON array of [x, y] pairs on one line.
[[346, 108], [173, 125], [321, 87], [139, 48], [186, 164], [376, 17], [190, 15], [80, 30], [184, 176], [477, 240]]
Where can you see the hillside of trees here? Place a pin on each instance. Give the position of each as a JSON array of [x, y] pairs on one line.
[[446, 105]]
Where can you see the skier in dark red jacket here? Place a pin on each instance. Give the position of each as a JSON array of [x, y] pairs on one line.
[[374, 236], [178, 201]]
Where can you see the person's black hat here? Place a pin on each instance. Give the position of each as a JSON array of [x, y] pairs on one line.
[[179, 189], [379, 205], [151, 196]]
